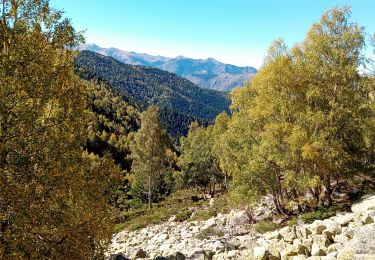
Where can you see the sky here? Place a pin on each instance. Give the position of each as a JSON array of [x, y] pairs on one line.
[[237, 32]]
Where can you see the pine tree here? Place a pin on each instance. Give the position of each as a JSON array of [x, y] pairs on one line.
[[148, 151]]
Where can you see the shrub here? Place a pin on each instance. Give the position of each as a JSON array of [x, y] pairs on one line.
[[183, 215], [135, 203], [203, 214], [209, 232], [264, 226], [136, 225], [320, 213], [292, 222]]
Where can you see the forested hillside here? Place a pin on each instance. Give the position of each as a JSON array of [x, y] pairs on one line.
[[111, 121], [181, 101]]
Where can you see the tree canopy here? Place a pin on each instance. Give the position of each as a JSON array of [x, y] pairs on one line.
[[52, 202]]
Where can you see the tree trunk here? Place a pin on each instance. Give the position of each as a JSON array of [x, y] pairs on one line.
[[149, 192], [278, 206], [328, 191]]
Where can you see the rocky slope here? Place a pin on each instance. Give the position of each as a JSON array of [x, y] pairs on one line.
[[345, 236], [208, 73]]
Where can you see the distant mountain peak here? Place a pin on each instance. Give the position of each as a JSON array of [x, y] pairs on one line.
[[206, 73]]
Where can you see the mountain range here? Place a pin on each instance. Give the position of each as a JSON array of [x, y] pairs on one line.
[[206, 73], [181, 101]]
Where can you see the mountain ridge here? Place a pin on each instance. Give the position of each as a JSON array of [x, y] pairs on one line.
[[206, 73]]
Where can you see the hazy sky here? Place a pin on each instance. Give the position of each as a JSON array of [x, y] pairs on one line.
[[232, 31]]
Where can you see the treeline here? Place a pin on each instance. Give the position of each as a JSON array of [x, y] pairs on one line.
[[307, 119]]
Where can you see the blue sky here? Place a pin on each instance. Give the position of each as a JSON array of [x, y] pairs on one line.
[[232, 31]]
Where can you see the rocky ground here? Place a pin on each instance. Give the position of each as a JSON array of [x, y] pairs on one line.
[[345, 236]]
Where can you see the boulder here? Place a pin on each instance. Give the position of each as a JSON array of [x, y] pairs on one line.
[[328, 234], [297, 241], [273, 252], [304, 232], [260, 253], [296, 250], [165, 247], [334, 248], [298, 257], [232, 253], [344, 220], [161, 237], [321, 240], [272, 235], [349, 232], [209, 223], [318, 250], [363, 241], [216, 247], [345, 254], [366, 203], [363, 257], [342, 239], [288, 234], [307, 242], [332, 256], [368, 217], [332, 226], [317, 227]]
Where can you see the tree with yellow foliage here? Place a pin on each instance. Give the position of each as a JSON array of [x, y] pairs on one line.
[[52, 203]]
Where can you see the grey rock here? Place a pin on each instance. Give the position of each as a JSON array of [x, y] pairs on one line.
[[366, 203], [345, 254], [341, 239], [363, 241], [317, 227], [260, 253], [344, 220], [318, 250], [288, 234]]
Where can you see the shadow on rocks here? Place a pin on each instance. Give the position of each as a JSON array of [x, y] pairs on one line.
[[118, 256]]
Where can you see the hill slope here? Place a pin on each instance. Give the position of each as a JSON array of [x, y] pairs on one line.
[[208, 73], [180, 100]]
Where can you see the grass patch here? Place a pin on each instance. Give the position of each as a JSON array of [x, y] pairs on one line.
[[264, 226], [209, 232]]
